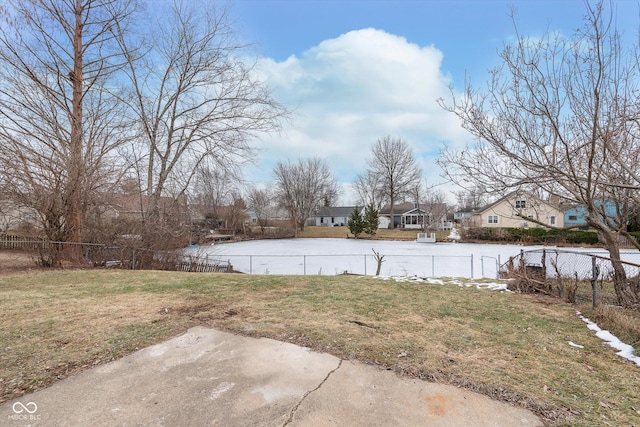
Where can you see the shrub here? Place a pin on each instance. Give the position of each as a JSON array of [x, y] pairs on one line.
[[355, 223], [531, 235], [371, 220]]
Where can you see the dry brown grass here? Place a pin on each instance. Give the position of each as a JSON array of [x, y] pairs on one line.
[[623, 323], [17, 260]]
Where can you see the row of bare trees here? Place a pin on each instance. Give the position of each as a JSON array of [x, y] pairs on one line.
[[560, 116], [302, 187], [393, 175], [94, 91], [98, 95]]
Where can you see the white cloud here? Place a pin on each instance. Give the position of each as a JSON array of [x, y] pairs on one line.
[[349, 91]]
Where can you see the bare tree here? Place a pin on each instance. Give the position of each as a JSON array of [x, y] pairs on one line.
[[368, 187], [215, 189], [260, 200], [435, 209], [236, 213], [303, 187], [396, 171], [471, 198], [560, 115], [59, 125], [196, 99]]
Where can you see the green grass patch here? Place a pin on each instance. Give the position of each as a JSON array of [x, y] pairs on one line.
[[508, 346]]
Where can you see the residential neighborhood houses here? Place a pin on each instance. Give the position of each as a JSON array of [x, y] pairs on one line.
[[516, 210]]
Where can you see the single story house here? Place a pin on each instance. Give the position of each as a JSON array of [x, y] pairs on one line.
[[135, 207], [270, 215], [516, 210], [413, 216], [332, 216]]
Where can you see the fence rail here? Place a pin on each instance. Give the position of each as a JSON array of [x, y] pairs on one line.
[[363, 264], [574, 275], [13, 242], [204, 267], [95, 254], [198, 260]]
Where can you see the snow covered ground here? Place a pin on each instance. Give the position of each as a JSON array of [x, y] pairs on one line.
[[335, 256], [401, 258]]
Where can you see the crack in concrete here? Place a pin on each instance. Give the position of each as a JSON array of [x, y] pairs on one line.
[[295, 408]]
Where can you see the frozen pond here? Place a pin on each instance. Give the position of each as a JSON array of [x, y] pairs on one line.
[[401, 258], [335, 256]]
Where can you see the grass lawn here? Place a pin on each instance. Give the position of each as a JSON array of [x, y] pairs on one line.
[[508, 346]]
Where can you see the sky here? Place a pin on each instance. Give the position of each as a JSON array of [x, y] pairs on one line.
[[354, 71]]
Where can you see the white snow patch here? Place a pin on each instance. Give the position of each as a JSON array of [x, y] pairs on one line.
[[572, 344], [502, 287], [625, 350], [454, 235]]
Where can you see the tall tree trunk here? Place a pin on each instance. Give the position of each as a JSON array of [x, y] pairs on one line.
[[74, 215], [393, 224], [626, 293]]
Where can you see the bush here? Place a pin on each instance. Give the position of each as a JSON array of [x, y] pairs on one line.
[[371, 220], [583, 237], [355, 223], [531, 235]]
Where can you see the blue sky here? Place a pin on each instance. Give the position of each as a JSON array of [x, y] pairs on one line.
[[357, 70]]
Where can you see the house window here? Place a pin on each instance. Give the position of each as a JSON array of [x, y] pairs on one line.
[[521, 204], [492, 219], [573, 217], [321, 220], [552, 220]]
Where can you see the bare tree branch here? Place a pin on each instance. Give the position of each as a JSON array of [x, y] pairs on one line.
[[303, 187], [394, 170], [560, 115]]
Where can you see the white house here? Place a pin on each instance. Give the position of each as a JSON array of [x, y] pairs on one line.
[[332, 216]]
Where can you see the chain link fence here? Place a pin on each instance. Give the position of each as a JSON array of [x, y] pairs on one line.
[[126, 257], [573, 275], [21, 252], [334, 264]]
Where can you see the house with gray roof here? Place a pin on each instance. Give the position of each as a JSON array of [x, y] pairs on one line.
[[328, 216]]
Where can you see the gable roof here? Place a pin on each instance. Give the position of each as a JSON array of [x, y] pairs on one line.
[[338, 211], [398, 209], [408, 207], [513, 194]]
